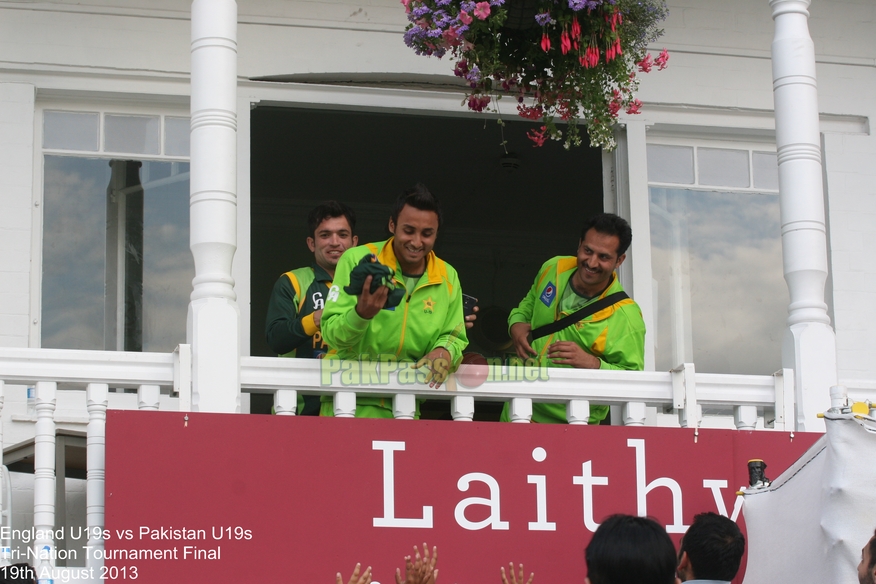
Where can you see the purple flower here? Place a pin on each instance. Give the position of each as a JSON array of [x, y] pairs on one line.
[[543, 19], [578, 5], [497, 2], [468, 6], [420, 12], [474, 75]]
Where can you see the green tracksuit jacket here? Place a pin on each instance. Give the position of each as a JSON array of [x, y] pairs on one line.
[[429, 318], [616, 335]]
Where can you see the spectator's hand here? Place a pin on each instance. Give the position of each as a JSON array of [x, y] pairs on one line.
[[365, 578], [368, 304], [569, 353], [471, 318], [519, 332], [511, 578], [419, 569], [438, 362], [317, 317]]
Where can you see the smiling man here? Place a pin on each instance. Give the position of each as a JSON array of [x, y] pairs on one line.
[[611, 337], [294, 319], [427, 325]]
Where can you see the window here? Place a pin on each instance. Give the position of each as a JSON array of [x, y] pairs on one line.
[[117, 269], [721, 301]]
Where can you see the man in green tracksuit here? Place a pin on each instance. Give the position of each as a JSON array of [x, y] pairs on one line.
[[612, 338], [293, 323], [427, 325]]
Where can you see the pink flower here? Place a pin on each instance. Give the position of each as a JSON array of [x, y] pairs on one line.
[[482, 10], [451, 37], [590, 58], [464, 17], [407, 5], [530, 113], [634, 107], [565, 42], [645, 64], [538, 136], [545, 43], [576, 28], [662, 60]]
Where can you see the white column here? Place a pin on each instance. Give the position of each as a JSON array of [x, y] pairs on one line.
[[96, 401], [148, 397], [44, 472], [214, 319], [809, 345]]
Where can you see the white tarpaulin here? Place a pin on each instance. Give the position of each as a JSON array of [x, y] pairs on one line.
[[811, 523]]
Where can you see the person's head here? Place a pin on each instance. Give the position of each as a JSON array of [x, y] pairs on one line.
[[711, 549], [602, 248], [630, 550], [867, 567], [414, 222], [331, 228]]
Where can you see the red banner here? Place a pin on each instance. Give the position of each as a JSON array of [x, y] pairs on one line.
[[242, 498]]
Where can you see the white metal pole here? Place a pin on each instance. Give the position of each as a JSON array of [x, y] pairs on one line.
[[809, 346], [214, 318]]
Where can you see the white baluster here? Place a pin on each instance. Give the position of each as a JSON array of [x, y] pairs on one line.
[[285, 402], [578, 411], [404, 406], [345, 404], [745, 417], [462, 408], [521, 410], [634, 414], [148, 397], [96, 400], [44, 472]]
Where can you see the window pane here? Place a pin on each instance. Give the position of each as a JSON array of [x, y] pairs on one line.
[[133, 134], [717, 263], [176, 136], [670, 164], [723, 168], [766, 171], [70, 131], [117, 270]]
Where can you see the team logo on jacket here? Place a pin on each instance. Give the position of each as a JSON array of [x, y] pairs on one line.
[[428, 305], [548, 294]]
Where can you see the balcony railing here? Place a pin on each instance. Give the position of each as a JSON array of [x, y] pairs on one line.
[[681, 398]]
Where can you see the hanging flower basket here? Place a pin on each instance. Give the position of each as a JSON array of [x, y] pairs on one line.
[[567, 59]]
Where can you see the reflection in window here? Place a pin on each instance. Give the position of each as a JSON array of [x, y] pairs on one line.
[[117, 269], [717, 264]]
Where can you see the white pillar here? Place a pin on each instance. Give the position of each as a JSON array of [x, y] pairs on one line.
[[214, 318], [44, 474], [809, 345], [95, 486]]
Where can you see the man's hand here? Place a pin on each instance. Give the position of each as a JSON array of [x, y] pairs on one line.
[[420, 569], [569, 353], [471, 318], [511, 578], [370, 304], [365, 578], [317, 317], [519, 331], [438, 362]]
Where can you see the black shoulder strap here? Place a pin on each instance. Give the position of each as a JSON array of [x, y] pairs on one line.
[[571, 319]]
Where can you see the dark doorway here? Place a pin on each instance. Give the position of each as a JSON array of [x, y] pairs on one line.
[[502, 219]]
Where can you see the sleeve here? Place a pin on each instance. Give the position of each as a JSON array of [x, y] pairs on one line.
[[284, 330], [627, 348], [453, 336], [523, 312], [342, 327]]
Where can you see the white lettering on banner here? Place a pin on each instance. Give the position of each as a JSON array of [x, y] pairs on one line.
[[716, 487], [588, 481], [642, 489], [540, 481], [389, 519], [493, 520]]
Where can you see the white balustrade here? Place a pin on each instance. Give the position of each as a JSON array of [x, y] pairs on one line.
[[285, 402], [148, 397], [96, 400], [44, 471]]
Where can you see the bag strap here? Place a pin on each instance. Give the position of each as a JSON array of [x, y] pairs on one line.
[[571, 319]]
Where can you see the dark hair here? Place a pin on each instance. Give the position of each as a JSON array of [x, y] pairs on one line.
[[420, 198], [714, 546], [872, 563], [630, 550], [330, 210], [610, 224], [17, 573]]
